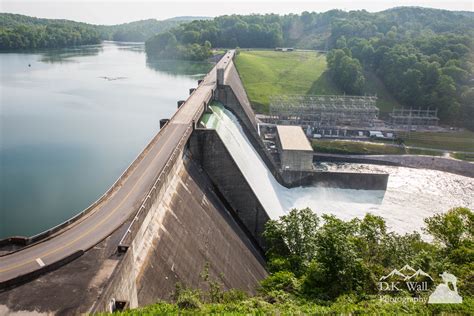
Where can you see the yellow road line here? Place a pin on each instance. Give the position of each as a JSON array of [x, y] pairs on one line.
[[98, 224], [95, 226]]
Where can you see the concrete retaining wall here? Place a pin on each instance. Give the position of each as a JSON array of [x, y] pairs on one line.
[[459, 167], [344, 180], [207, 148]]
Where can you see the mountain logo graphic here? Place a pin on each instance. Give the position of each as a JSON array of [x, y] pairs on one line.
[[418, 273], [418, 281], [406, 273]]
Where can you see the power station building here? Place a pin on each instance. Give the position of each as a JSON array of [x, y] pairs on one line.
[[294, 148]]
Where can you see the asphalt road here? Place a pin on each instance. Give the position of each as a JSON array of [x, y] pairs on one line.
[[121, 205]]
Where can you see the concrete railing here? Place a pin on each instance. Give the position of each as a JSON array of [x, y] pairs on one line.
[[28, 241], [137, 220], [25, 242]]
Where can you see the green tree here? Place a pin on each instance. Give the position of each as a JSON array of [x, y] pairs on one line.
[[452, 228], [337, 268], [293, 238]]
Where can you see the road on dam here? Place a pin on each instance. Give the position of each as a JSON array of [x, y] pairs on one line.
[[123, 203]]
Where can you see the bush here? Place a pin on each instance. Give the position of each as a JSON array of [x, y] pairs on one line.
[[282, 280], [189, 299], [234, 296]]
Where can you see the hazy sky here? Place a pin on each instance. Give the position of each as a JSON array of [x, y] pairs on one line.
[[113, 11]]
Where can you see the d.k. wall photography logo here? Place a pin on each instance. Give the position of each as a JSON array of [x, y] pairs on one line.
[[418, 282]]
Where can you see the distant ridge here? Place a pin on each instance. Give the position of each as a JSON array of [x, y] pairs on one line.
[[189, 18], [136, 31]]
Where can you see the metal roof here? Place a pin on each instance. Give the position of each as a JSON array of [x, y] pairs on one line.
[[293, 138]]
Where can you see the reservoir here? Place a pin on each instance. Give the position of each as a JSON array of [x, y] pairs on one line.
[[72, 120]]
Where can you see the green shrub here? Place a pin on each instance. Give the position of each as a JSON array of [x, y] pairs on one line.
[[189, 299]]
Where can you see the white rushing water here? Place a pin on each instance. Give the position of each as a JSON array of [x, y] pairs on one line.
[[411, 195]]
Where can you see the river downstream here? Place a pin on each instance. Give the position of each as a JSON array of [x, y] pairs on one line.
[[411, 196]]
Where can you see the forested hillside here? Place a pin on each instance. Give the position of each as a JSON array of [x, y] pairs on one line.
[[424, 57], [140, 31], [24, 32], [20, 32]]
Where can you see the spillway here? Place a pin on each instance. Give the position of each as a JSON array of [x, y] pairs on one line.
[[411, 195]]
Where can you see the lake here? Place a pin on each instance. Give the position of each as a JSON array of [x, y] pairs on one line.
[[72, 120]]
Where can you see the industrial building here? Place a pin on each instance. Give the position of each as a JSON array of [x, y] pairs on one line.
[[324, 111], [413, 118], [294, 148]]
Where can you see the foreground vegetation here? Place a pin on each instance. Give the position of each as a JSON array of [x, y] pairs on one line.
[[326, 266], [347, 305]]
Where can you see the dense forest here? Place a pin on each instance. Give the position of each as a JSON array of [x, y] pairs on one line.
[[140, 31], [423, 56], [21, 32], [24, 32]]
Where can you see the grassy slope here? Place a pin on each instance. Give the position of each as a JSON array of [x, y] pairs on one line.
[[365, 148], [456, 141], [267, 73]]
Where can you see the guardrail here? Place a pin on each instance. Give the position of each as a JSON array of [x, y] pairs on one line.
[[139, 217], [28, 241]]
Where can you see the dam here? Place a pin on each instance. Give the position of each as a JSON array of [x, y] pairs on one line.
[[198, 195]]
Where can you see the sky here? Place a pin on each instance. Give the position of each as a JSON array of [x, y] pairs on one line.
[[117, 11]]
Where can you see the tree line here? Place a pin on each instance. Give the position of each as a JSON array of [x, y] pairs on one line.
[[24, 32], [423, 56]]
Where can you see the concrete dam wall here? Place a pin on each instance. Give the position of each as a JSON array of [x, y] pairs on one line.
[[207, 147], [187, 227], [184, 225]]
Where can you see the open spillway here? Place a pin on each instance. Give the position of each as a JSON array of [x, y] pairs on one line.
[[411, 195]]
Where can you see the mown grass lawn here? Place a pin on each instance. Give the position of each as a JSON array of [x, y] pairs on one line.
[[455, 141], [365, 148], [267, 73]]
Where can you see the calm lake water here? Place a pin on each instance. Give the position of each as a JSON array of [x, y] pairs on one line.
[[72, 121]]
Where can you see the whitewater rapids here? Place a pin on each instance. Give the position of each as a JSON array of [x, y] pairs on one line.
[[411, 195]]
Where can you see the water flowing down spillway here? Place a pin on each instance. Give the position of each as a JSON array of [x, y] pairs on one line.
[[411, 195]]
